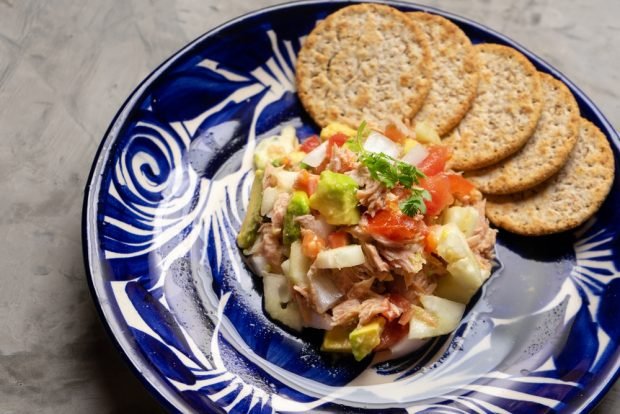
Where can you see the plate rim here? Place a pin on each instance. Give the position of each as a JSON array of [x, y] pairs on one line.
[[92, 259]]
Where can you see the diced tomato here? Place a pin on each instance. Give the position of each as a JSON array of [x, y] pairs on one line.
[[460, 186], [396, 226], [392, 333], [393, 133], [338, 139], [431, 241], [337, 239], [435, 161], [310, 143], [311, 244], [441, 196], [306, 182]]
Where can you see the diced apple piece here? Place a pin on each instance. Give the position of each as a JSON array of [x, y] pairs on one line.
[[278, 301], [466, 218], [451, 243], [426, 134], [445, 316], [286, 267], [465, 276], [455, 289]]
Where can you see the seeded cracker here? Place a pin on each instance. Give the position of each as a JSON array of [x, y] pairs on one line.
[[455, 73], [567, 199], [544, 153], [364, 62], [504, 113]]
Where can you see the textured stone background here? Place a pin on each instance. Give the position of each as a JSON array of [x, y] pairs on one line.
[[65, 68]]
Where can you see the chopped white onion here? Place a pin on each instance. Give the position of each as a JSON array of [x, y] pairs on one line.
[[326, 294], [286, 179], [416, 155], [316, 156], [270, 194], [318, 321], [345, 256], [377, 142]]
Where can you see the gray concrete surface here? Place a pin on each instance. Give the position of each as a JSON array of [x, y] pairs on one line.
[[65, 68]]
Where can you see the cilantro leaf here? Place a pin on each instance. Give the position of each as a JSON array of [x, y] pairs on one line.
[[355, 144], [415, 203], [391, 172]]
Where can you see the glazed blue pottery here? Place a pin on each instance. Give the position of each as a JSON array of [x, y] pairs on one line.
[[166, 196]]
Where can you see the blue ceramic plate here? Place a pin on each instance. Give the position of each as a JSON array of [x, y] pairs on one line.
[[166, 196]]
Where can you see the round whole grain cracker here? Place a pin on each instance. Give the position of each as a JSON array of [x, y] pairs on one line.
[[565, 200], [364, 62], [505, 112], [455, 73], [544, 153]]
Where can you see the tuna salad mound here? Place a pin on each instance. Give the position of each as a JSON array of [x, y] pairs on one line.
[[366, 235]]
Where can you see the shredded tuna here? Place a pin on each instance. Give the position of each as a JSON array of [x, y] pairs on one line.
[[271, 247], [371, 194], [421, 283], [279, 210], [269, 178], [373, 258], [361, 290], [406, 316], [342, 159], [345, 312], [393, 311], [345, 278], [482, 242], [303, 304], [302, 290], [371, 308], [412, 285], [360, 233], [318, 226], [408, 258]]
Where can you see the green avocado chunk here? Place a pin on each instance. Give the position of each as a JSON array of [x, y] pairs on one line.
[[251, 222], [366, 338], [299, 205], [337, 340], [335, 198]]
